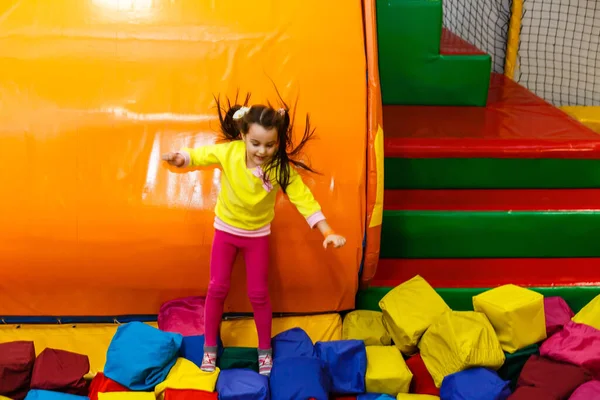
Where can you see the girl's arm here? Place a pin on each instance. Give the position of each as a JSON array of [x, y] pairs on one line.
[[202, 156], [301, 196]]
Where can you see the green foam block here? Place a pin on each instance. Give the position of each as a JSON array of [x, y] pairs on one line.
[[498, 234], [411, 69], [491, 173], [239, 358]]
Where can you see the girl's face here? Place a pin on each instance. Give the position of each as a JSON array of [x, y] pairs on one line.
[[261, 145]]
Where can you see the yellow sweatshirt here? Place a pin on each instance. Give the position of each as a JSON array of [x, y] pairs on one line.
[[245, 203]]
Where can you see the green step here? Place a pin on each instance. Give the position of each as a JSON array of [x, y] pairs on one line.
[[491, 173], [411, 69], [490, 234], [461, 299]]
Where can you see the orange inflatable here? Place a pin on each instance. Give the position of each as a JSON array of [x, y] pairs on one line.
[[93, 92]]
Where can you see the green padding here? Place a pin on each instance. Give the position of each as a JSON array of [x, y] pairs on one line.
[[475, 234], [490, 173], [515, 362], [239, 357], [410, 66], [462, 299]]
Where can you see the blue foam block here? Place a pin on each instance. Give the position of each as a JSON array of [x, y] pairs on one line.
[[346, 364], [374, 396], [242, 384], [299, 378], [474, 384], [37, 394], [140, 356], [292, 343]]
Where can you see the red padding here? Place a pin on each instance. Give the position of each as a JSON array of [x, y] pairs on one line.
[[493, 200], [490, 272], [453, 45], [514, 124]]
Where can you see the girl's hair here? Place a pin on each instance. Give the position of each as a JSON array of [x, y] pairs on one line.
[[268, 117]]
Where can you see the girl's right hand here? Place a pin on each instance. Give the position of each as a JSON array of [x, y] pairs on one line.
[[174, 159]]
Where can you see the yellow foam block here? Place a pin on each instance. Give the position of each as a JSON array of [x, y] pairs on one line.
[[459, 340], [404, 396], [5, 398], [242, 332], [127, 396], [89, 339], [367, 326], [516, 313], [386, 371], [408, 310], [590, 314], [187, 375]]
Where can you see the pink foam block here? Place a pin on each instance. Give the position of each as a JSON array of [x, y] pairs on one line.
[[184, 316], [577, 344], [587, 391], [557, 312]]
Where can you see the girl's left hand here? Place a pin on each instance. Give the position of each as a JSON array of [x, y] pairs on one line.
[[335, 240]]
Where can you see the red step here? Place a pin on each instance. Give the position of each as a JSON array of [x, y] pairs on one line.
[[490, 272], [515, 124], [493, 200], [453, 45]]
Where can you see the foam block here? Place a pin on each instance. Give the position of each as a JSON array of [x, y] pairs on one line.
[[184, 316], [367, 326], [459, 340], [531, 393], [192, 348], [126, 396], [187, 375], [422, 382], [577, 344], [294, 342], [346, 364], [299, 378], [475, 384], [411, 396], [16, 365], [514, 363], [241, 384], [589, 390], [140, 356], [408, 310], [184, 394], [60, 371], [374, 396], [239, 358], [557, 378], [516, 313], [589, 314], [557, 313], [39, 394], [387, 371], [102, 384]]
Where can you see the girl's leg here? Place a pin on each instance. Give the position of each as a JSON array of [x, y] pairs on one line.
[[222, 258], [256, 254]]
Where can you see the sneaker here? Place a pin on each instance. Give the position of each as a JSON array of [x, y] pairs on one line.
[[265, 364], [209, 362]]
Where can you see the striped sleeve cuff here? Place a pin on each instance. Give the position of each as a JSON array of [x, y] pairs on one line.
[[186, 157], [315, 218]]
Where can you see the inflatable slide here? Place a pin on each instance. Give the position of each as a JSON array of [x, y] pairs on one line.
[[94, 224]]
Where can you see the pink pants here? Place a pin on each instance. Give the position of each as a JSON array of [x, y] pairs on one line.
[[256, 254]]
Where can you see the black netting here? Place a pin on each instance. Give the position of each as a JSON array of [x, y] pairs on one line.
[[559, 51], [484, 23]]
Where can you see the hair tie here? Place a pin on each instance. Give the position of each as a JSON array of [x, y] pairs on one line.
[[281, 112], [239, 114]]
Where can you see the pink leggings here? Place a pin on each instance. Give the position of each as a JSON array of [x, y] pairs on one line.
[[256, 254]]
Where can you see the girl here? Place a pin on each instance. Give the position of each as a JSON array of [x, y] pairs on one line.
[[256, 160]]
